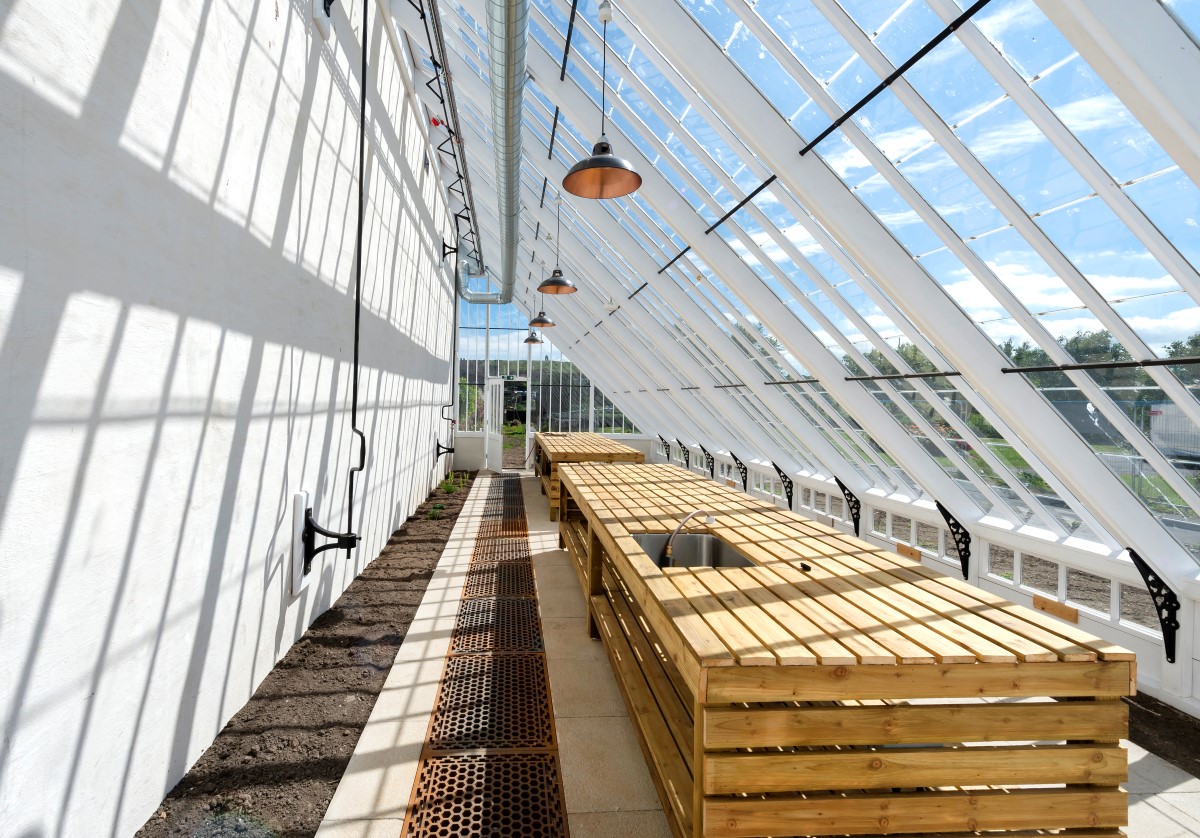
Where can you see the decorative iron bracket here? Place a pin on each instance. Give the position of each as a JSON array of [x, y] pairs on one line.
[[687, 454], [710, 462], [855, 505], [328, 5], [447, 250], [666, 447], [1166, 603], [440, 450], [741, 467], [962, 538], [342, 540], [788, 487]]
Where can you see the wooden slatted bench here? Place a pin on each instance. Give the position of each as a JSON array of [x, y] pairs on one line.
[[868, 696], [551, 449]]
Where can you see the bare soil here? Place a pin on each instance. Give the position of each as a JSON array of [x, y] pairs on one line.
[[272, 771], [1165, 732]]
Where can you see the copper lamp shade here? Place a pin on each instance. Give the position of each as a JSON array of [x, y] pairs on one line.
[[557, 284], [541, 321], [603, 175]]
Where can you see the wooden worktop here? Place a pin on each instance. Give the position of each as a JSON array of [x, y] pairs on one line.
[[859, 605], [584, 447], [869, 695]]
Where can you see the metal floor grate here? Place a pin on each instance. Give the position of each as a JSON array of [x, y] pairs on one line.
[[499, 580], [493, 701], [487, 796], [501, 550], [497, 625], [494, 696]]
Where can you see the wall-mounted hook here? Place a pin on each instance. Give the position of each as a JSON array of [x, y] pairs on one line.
[[439, 451], [342, 540]]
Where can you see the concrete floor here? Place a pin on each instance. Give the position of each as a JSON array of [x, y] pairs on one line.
[[608, 787]]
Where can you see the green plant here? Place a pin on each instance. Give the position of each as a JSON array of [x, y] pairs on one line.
[[439, 506], [433, 514]]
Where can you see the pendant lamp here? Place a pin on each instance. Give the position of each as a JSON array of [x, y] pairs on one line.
[[603, 174], [541, 321], [557, 283], [533, 338]]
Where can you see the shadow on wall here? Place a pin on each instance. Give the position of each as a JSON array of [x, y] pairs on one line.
[[176, 302]]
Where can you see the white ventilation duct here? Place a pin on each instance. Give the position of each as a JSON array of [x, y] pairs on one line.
[[508, 32]]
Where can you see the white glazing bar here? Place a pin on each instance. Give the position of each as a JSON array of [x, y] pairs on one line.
[[1147, 60], [682, 41], [659, 194], [1014, 307], [1074, 279]]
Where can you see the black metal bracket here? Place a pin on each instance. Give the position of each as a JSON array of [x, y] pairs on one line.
[[328, 6], [741, 467], [447, 250], [440, 450], [855, 505], [1166, 603], [687, 454], [666, 447], [962, 538], [788, 486], [710, 462], [342, 540]]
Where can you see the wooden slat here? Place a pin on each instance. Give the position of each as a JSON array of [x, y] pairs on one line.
[[877, 814], [908, 767], [746, 648], [815, 613], [769, 727], [786, 648], [671, 776], [675, 714], [1100, 679], [908, 600]]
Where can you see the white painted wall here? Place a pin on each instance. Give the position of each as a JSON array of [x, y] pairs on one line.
[[177, 195]]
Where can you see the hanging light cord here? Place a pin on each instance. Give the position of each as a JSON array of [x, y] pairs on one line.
[[603, 77], [558, 232], [362, 158]]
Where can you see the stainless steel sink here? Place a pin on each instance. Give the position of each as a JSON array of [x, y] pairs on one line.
[[692, 550]]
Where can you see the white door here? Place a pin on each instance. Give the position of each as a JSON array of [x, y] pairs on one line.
[[494, 425]]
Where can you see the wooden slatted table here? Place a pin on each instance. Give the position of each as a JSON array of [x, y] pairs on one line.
[[554, 448], [869, 695]]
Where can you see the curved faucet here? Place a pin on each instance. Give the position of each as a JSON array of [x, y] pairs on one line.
[[665, 559]]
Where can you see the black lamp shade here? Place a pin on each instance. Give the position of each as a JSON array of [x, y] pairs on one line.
[[533, 338], [557, 284], [541, 321], [603, 175]]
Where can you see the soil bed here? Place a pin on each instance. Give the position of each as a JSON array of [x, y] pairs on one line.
[[1165, 732], [272, 771]]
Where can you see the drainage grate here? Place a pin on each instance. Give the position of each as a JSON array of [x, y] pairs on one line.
[[487, 796], [501, 550], [499, 580], [493, 701], [497, 625]]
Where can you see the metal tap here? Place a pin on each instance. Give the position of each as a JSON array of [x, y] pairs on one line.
[[708, 519]]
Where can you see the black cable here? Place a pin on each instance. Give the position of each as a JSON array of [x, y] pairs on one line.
[[362, 167]]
